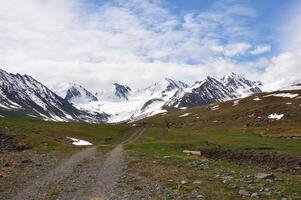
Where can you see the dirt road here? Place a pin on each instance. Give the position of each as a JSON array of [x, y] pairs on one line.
[[89, 174]]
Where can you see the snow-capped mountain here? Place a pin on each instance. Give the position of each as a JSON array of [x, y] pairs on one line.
[[156, 96], [22, 95], [74, 93], [161, 89], [240, 85], [126, 104], [212, 90]]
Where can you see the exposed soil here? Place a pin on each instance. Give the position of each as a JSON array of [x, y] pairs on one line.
[[38, 189], [9, 143], [89, 174], [263, 158]]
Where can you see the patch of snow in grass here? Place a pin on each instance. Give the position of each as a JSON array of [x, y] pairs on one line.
[[215, 107], [257, 99], [134, 125], [288, 103], [79, 142], [1, 116], [276, 116], [183, 108], [185, 115], [235, 103], [285, 95]]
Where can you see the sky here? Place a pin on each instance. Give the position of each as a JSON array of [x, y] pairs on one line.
[[137, 42]]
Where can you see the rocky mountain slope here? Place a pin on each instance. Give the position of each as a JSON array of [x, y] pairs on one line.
[[212, 90], [21, 95], [74, 93], [126, 104]]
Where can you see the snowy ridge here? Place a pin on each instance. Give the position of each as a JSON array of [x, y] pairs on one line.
[[240, 85], [23, 95], [212, 90], [125, 104], [74, 93], [120, 103]]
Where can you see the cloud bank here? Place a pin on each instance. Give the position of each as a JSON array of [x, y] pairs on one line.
[[135, 42]]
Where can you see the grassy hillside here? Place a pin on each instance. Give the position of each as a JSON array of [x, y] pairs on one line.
[[246, 115], [42, 135], [237, 140]]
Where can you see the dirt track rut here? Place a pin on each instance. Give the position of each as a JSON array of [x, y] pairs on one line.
[[88, 174]]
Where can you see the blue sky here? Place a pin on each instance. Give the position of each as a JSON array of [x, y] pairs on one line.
[[137, 42]]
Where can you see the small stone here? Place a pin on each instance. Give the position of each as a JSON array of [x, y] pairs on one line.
[[244, 193], [183, 182], [27, 161], [6, 165], [265, 176], [198, 153], [255, 194], [200, 196], [197, 182]]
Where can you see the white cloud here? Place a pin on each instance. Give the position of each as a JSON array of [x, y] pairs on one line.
[[285, 68], [260, 49], [131, 41], [234, 49]]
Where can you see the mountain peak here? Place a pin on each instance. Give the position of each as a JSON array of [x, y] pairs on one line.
[[74, 93], [25, 96], [240, 85], [122, 91]]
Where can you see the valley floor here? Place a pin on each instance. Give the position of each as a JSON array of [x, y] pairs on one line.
[[144, 162]]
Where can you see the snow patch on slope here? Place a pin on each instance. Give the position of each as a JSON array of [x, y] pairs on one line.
[[284, 95], [78, 142], [276, 116]]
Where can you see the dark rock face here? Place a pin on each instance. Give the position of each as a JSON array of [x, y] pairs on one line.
[[212, 90], [205, 92], [122, 91], [174, 85], [148, 103], [75, 92], [22, 95], [234, 82]]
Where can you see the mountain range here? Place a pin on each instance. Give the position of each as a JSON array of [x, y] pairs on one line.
[[22, 95]]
